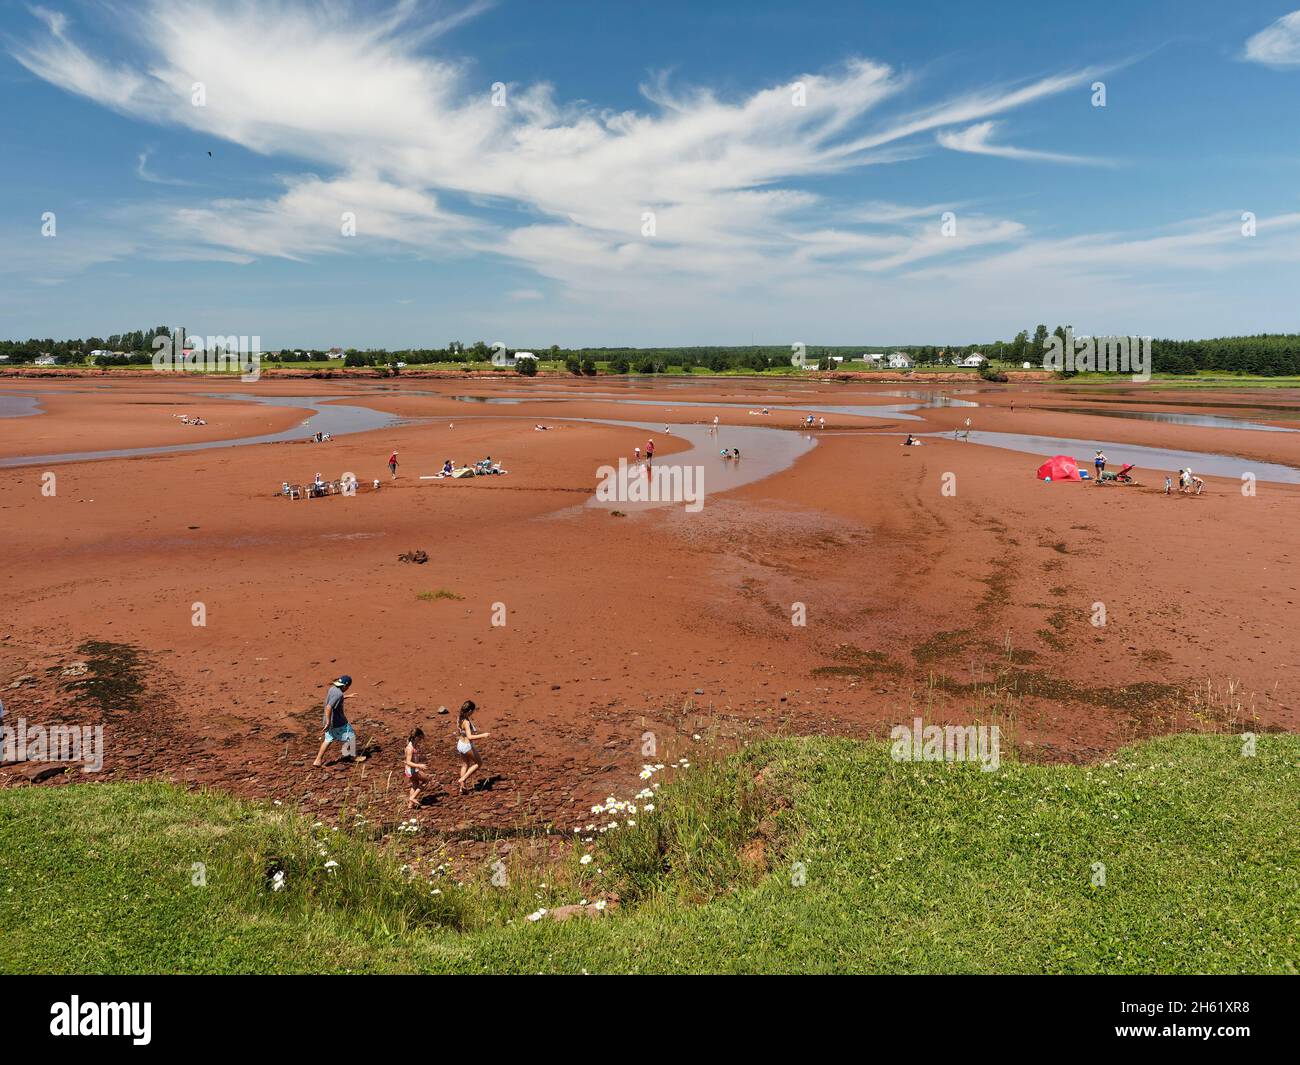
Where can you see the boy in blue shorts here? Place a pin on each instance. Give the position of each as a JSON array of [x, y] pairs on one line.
[[335, 720]]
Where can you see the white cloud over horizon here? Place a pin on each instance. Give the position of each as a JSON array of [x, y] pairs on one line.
[[362, 116]]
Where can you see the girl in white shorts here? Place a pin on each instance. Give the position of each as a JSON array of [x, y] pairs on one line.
[[466, 733]]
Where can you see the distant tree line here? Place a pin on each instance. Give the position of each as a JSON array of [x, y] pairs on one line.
[[1267, 354]]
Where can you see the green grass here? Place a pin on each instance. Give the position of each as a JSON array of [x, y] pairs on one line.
[[810, 855]]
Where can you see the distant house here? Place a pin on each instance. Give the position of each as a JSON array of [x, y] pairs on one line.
[[878, 357], [900, 361], [973, 359], [837, 358], [524, 355], [336, 353], [47, 360]]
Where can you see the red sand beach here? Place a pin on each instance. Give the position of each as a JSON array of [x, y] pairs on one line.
[[943, 581]]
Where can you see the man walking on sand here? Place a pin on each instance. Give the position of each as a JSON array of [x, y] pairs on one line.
[[335, 721]]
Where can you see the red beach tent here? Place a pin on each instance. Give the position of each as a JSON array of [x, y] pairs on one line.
[[1059, 468]]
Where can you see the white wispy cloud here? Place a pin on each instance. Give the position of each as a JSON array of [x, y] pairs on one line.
[[403, 136], [145, 174], [1277, 45], [975, 139], [390, 131]]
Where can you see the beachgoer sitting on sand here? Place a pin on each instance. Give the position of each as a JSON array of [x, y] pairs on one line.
[[447, 468]]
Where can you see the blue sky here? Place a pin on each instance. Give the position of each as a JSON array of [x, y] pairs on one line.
[[797, 162]]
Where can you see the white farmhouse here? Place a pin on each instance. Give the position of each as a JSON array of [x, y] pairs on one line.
[[900, 360], [973, 359]]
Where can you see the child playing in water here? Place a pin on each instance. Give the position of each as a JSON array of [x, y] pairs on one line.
[[415, 767], [466, 734]]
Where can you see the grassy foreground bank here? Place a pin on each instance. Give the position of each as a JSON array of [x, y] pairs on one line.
[[809, 855]]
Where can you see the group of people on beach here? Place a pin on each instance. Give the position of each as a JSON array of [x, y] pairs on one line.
[[414, 761], [1188, 483]]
